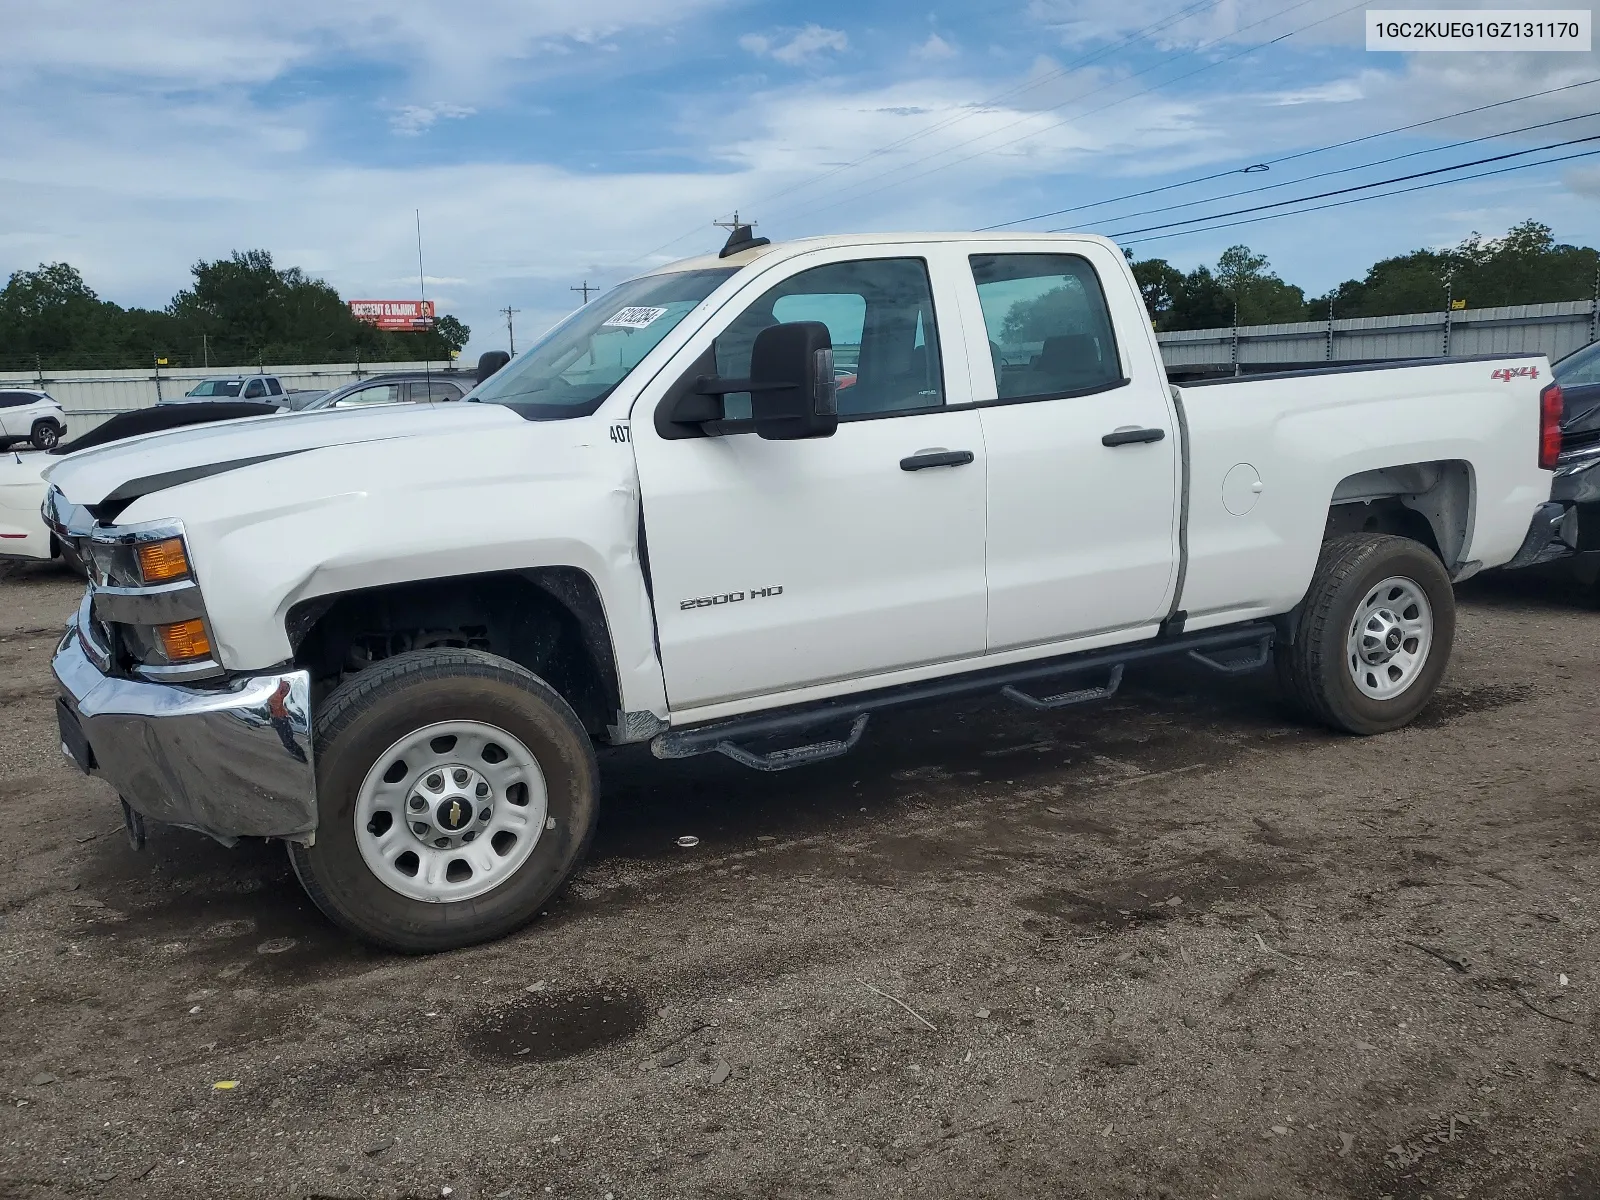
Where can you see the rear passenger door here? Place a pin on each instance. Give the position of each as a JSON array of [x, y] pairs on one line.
[[1083, 450]]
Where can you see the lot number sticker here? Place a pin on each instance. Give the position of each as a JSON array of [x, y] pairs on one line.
[[635, 318]]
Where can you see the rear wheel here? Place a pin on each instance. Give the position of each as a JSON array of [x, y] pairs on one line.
[[1374, 634], [457, 793], [46, 435]]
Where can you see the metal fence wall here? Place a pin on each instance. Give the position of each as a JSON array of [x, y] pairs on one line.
[[1555, 330], [91, 397]]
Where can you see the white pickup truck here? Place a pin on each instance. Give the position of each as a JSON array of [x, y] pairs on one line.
[[738, 505]]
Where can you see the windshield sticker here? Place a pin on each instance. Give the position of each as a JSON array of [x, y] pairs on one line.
[[635, 318]]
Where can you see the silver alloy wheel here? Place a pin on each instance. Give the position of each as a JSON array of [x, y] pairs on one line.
[[1390, 636], [450, 811]]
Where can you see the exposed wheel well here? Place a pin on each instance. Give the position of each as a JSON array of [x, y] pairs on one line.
[[1430, 502], [547, 619]]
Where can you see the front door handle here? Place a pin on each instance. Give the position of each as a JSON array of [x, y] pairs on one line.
[[1130, 435], [923, 459]]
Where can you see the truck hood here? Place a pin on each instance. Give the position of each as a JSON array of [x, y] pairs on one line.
[[107, 479]]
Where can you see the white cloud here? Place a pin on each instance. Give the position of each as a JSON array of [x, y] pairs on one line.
[[469, 52], [802, 46], [413, 119], [935, 49]]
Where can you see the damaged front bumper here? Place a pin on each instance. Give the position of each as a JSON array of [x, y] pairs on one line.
[[231, 760]]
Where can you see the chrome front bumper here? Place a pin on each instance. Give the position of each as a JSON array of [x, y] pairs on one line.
[[212, 759]]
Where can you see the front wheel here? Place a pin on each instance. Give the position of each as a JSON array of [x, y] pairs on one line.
[[46, 435], [457, 793], [1373, 636]]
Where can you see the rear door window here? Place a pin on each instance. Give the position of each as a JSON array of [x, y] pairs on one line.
[[1049, 329], [16, 399], [378, 393]]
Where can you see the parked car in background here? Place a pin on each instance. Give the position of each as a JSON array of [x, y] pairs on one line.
[[400, 387], [31, 416], [23, 533]]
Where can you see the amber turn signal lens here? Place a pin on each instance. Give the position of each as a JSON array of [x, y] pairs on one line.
[[163, 560], [185, 640]]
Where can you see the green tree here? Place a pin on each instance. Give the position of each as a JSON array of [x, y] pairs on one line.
[[1262, 297], [452, 332], [1526, 266]]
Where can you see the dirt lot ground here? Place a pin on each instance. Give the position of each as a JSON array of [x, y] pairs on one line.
[[1176, 945]]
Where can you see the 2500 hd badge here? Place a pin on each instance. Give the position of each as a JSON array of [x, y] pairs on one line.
[[730, 598]]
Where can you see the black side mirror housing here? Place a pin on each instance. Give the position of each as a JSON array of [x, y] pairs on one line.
[[793, 392], [490, 362]]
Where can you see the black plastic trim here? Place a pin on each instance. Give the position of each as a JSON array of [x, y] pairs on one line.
[[703, 739]]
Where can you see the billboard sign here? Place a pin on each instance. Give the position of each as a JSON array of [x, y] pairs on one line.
[[399, 315]]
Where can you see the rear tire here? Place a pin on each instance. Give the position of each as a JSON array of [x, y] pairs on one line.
[[1373, 637], [396, 745], [46, 435]]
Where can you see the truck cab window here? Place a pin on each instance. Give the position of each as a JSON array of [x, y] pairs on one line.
[[1048, 325], [255, 389], [879, 313]]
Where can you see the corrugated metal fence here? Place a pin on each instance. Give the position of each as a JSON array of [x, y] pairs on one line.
[[90, 397], [1555, 330]]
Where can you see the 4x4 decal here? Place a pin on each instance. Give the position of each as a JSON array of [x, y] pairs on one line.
[[1507, 374]]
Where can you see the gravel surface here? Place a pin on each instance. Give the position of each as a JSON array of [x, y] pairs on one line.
[[1174, 945]]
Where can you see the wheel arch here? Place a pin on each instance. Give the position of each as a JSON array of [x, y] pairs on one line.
[[549, 619], [1431, 502]]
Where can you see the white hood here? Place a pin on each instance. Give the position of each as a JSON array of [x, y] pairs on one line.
[[155, 461]]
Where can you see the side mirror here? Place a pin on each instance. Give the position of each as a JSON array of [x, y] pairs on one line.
[[490, 362], [793, 393]]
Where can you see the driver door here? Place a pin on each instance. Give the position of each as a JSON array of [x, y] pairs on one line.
[[778, 566]]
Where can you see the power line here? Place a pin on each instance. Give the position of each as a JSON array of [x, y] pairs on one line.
[[1267, 164], [1357, 167], [1091, 112], [1421, 187], [1359, 187]]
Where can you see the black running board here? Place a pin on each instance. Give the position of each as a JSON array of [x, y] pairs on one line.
[[1233, 650]]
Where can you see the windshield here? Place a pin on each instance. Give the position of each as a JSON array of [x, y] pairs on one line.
[[216, 387], [577, 364]]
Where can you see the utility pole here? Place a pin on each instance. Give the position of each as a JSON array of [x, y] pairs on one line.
[[733, 224], [205, 352], [585, 289], [511, 332], [1329, 355]]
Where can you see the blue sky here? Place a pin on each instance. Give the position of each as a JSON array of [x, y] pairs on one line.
[[553, 142]]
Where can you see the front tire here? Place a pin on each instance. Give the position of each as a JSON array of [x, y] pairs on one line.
[[1373, 637], [46, 435], [457, 793]]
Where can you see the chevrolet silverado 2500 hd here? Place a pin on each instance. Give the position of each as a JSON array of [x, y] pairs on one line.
[[738, 505]]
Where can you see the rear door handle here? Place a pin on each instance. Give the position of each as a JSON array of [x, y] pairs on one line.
[[923, 459], [1131, 434]]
